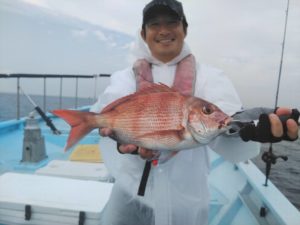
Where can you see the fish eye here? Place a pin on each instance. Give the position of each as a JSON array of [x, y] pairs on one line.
[[207, 110]]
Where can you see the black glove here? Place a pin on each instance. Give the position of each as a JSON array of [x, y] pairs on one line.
[[262, 131]]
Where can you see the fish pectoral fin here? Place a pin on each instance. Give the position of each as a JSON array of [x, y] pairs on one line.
[[167, 138]]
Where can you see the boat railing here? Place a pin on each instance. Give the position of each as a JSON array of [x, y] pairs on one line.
[[45, 77]]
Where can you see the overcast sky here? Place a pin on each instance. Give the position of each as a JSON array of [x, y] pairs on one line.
[[242, 37]]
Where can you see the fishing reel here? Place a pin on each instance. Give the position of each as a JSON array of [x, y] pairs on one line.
[[270, 158]]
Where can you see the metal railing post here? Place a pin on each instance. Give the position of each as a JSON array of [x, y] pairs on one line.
[[60, 93], [18, 98], [76, 93], [44, 107], [95, 87]]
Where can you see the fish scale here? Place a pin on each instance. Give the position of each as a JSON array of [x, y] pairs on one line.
[[143, 119]]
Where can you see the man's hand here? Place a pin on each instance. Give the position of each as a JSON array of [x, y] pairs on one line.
[[130, 148], [271, 129], [105, 132], [276, 124]]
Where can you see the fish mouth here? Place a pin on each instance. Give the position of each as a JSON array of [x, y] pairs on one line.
[[224, 123]]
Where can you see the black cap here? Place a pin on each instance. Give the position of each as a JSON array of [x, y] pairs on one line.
[[172, 6]]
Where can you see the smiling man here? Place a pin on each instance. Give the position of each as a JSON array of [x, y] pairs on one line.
[[175, 190], [164, 30]]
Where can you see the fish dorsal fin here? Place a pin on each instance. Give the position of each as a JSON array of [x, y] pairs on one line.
[[155, 88], [116, 103], [151, 88]]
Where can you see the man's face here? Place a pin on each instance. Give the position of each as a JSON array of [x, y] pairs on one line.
[[164, 35]]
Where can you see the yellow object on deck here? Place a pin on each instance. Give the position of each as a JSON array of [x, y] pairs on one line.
[[86, 153]]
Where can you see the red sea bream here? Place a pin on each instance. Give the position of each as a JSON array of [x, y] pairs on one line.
[[156, 117]]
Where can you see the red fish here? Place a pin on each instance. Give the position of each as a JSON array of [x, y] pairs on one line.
[[156, 117]]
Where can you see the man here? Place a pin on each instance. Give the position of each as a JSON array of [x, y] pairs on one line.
[[177, 190]]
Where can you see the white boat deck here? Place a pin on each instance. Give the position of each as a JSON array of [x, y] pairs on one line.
[[238, 195]]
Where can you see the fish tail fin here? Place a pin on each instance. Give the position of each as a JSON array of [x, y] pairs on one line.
[[80, 123]]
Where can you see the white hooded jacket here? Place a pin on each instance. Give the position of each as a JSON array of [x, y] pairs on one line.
[[177, 190]]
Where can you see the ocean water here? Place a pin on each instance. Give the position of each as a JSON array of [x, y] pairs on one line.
[[8, 104], [284, 174]]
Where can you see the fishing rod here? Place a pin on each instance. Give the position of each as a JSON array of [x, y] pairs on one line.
[[42, 114], [269, 157]]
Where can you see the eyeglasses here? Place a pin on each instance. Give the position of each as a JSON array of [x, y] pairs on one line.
[[168, 22]]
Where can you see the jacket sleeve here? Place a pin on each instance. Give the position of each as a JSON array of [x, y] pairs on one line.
[[122, 83], [215, 87]]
